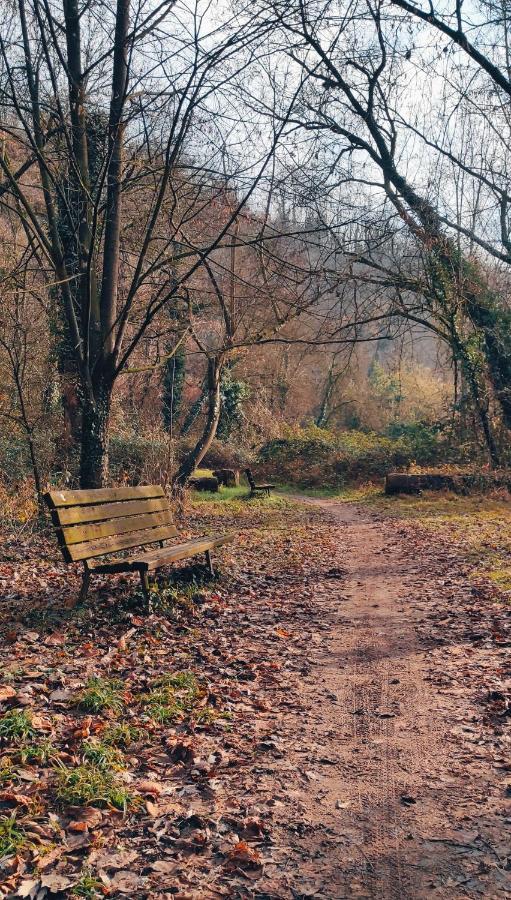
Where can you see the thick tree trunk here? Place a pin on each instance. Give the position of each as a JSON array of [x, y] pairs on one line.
[[479, 402], [94, 441], [451, 269], [202, 446]]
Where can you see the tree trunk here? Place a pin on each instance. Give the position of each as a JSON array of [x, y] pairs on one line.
[[202, 446], [95, 435], [36, 473], [480, 404], [322, 416]]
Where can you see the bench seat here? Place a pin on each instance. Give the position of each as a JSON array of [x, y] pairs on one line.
[[257, 488], [157, 559], [91, 525]]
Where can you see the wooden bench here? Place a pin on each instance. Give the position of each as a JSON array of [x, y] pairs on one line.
[[97, 523], [258, 488]]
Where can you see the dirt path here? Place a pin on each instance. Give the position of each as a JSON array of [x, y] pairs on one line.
[[398, 794]]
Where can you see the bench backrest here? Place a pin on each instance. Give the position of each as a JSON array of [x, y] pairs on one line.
[[250, 478], [97, 522]]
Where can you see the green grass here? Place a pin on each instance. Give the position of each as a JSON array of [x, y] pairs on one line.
[[12, 835], [39, 752], [102, 755], [173, 697], [90, 785], [7, 771], [224, 494], [121, 735], [347, 493], [100, 694], [16, 726], [88, 887], [479, 524]]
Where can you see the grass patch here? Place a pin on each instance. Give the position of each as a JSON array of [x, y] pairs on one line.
[[121, 735], [12, 835], [100, 694], [41, 752], [173, 697], [237, 504], [16, 726], [7, 771], [479, 524], [103, 755], [179, 599], [88, 887], [90, 785], [358, 493]]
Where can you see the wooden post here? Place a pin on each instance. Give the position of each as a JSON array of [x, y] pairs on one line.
[[144, 581], [85, 583], [209, 563]]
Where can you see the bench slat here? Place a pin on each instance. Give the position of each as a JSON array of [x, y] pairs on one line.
[[76, 534], [103, 495], [90, 549], [155, 559], [78, 515], [181, 551]]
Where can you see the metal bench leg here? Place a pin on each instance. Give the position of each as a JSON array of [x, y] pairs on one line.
[[209, 563], [144, 581], [84, 590]]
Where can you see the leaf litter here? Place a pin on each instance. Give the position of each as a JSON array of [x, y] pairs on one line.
[[184, 729]]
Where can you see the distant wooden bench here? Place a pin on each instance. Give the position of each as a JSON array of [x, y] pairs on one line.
[[257, 488], [97, 523]]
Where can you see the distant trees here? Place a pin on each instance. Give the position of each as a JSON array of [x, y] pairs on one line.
[[379, 117]]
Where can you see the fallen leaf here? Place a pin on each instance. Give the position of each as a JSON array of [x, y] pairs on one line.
[[149, 787], [165, 866], [119, 860], [56, 883], [243, 855], [14, 797], [7, 693], [89, 816], [29, 888], [128, 883]]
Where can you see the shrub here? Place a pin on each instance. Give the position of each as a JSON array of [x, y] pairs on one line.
[[134, 457], [223, 455], [315, 456]]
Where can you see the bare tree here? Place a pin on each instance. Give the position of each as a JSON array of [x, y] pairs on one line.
[[358, 113], [111, 194]]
